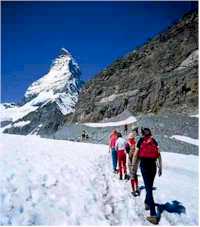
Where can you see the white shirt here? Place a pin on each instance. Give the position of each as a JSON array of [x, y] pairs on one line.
[[120, 144]]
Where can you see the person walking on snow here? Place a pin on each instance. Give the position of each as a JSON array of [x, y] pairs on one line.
[[125, 129], [132, 163], [149, 154], [112, 142], [135, 131], [120, 147]]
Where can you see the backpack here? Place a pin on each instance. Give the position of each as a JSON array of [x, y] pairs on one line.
[[148, 148]]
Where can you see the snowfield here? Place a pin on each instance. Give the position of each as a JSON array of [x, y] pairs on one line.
[[54, 182]]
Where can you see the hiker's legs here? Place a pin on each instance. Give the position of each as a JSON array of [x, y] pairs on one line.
[[114, 158], [134, 183], [133, 174], [124, 162], [120, 158], [148, 175]]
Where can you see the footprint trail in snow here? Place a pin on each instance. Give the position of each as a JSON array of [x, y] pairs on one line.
[[49, 182]]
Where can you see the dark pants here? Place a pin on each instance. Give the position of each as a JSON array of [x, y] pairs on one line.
[[114, 158], [148, 170]]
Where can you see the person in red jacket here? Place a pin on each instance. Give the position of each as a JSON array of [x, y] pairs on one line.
[[112, 142], [132, 163], [148, 153]]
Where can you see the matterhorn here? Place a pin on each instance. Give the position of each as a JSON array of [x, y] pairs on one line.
[[47, 100]]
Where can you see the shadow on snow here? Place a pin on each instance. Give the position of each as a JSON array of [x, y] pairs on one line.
[[171, 207]]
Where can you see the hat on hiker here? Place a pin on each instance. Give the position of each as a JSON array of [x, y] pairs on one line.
[[131, 136]]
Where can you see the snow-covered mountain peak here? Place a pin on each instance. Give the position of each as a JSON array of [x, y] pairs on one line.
[[47, 100], [63, 77], [63, 51]]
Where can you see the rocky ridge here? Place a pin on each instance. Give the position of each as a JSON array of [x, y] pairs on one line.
[[161, 75]]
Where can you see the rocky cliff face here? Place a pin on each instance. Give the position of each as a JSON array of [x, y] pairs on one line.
[[47, 100], [160, 75]]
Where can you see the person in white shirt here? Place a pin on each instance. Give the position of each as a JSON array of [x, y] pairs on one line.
[[120, 147]]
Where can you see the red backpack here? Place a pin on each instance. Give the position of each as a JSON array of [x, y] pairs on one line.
[[148, 148]]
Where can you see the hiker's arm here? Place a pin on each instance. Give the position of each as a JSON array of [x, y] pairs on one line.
[[136, 152], [116, 146], [109, 147], [137, 147], [159, 166]]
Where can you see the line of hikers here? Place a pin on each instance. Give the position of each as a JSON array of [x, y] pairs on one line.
[[139, 150]]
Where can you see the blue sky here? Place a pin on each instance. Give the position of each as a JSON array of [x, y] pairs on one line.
[[96, 33]]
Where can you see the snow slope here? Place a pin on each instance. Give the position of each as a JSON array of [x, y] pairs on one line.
[[129, 120], [50, 182], [15, 113], [186, 139]]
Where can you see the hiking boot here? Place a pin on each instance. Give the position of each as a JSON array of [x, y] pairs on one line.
[[138, 192], [135, 193], [153, 219], [146, 207], [120, 177], [126, 177]]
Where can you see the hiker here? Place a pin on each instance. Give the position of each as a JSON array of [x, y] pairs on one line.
[[149, 155], [112, 142], [135, 131], [133, 163], [84, 135], [125, 129], [120, 147]]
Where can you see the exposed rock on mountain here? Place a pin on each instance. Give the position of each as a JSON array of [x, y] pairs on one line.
[[160, 75]]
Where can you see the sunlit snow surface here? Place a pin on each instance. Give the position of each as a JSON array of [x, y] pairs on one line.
[[129, 120], [196, 115], [186, 139], [50, 182], [191, 60]]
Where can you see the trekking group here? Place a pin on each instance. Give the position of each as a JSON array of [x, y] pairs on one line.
[[135, 151]]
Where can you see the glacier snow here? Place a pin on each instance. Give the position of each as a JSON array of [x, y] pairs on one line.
[[55, 182]]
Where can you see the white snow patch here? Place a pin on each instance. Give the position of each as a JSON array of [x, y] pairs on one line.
[[66, 103], [190, 60], [129, 120], [16, 113], [195, 115], [186, 139], [21, 123], [114, 96]]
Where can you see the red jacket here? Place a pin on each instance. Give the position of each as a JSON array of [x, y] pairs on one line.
[[112, 141]]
